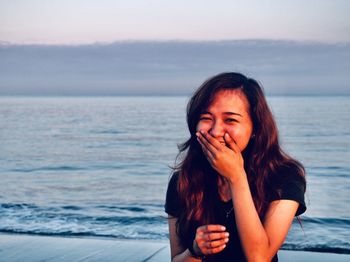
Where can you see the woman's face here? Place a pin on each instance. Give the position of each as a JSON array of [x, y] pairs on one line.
[[229, 112]]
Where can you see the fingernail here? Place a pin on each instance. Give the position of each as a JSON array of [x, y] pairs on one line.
[[227, 234], [224, 246], [202, 132], [197, 134], [223, 228], [226, 240]]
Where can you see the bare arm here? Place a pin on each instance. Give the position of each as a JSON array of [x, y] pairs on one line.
[[261, 241], [178, 253], [209, 239]]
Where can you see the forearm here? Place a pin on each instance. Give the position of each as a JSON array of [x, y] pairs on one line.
[[185, 256], [251, 231]]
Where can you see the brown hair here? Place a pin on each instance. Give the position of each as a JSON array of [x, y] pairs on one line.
[[264, 161]]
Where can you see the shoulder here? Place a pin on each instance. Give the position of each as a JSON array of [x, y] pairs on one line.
[[291, 173], [174, 178], [291, 185], [173, 184], [172, 201]]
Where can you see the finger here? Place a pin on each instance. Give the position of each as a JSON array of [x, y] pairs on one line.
[[209, 155], [216, 236], [216, 249], [211, 228], [231, 142], [206, 142], [216, 243], [213, 141]]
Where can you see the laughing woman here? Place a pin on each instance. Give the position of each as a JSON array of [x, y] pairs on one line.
[[235, 193]]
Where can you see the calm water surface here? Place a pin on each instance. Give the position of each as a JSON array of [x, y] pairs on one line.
[[100, 166]]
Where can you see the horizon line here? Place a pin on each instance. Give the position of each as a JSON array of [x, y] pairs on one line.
[[123, 41], [165, 95]]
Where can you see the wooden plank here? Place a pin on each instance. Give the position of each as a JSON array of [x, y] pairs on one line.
[[283, 255], [29, 248], [55, 249], [302, 256]]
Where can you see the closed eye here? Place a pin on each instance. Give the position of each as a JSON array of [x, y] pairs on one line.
[[204, 118], [231, 120]]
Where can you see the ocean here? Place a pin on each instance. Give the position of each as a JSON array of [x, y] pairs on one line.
[[99, 166]]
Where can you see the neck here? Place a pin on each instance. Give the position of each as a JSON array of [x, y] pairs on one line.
[[224, 188]]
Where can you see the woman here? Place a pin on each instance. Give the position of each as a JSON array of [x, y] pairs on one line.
[[235, 193]]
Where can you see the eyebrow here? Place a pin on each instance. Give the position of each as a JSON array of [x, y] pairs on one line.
[[232, 113], [224, 113]]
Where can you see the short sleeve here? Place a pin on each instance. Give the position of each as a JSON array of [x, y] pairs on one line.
[[293, 188], [172, 201]]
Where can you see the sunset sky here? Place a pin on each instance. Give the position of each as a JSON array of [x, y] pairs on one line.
[[111, 47], [90, 21]]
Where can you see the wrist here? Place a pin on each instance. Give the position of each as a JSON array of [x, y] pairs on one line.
[[193, 253], [237, 180]]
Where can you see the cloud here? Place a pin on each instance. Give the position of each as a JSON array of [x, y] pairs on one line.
[[171, 67]]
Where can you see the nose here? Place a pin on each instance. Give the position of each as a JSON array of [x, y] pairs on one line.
[[217, 130]]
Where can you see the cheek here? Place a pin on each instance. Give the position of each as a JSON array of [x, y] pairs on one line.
[[203, 126], [233, 132], [240, 135], [240, 132]]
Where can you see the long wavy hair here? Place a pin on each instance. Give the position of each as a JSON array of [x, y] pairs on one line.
[[265, 162]]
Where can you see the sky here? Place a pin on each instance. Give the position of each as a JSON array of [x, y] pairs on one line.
[[172, 68], [106, 21], [111, 47]]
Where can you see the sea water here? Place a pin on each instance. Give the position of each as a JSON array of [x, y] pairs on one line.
[[99, 166]]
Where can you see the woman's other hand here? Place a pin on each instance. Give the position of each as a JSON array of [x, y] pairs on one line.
[[210, 239]]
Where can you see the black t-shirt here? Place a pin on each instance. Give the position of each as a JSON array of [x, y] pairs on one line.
[[292, 188]]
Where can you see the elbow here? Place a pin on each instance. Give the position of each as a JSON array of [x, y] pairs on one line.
[[260, 256], [257, 258], [259, 253]]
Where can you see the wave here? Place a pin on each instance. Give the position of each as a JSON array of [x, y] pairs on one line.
[[326, 221], [47, 168], [73, 234], [317, 248], [107, 132], [157, 236], [136, 212], [130, 207], [108, 214], [65, 168], [17, 206], [329, 171], [136, 221]]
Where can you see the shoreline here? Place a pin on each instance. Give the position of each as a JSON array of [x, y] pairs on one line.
[[24, 247]]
